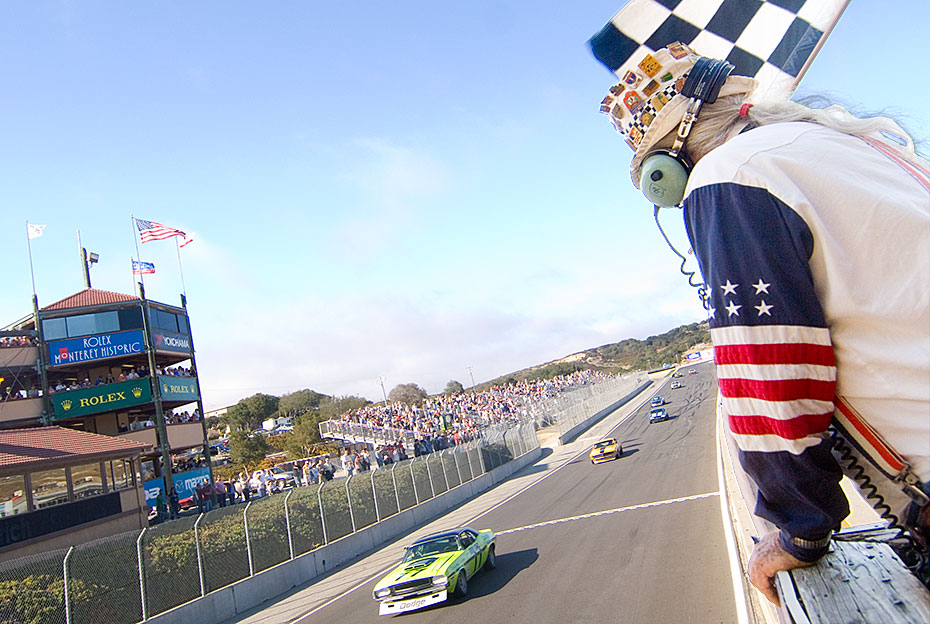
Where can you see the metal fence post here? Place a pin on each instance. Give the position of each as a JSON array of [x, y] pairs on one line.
[[287, 523], [248, 543], [319, 499], [64, 572], [396, 493], [479, 448], [444, 475], [145, 614], [199, 558], [456, 461], [349, 500], [429, 474], [374, 496], [413, 480]]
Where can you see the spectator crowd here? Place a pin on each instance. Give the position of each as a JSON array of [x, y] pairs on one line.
[[448, 420]]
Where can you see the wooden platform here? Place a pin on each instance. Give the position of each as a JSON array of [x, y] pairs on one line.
[[857, 582]]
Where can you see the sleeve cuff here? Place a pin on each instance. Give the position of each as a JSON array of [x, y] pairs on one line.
[[806, 550]]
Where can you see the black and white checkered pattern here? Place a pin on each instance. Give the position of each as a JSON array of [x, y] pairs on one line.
[[770, 40]]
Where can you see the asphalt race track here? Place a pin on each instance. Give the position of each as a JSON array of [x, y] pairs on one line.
[[639, 539]]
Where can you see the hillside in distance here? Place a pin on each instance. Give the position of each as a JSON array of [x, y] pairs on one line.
[[626, 355]]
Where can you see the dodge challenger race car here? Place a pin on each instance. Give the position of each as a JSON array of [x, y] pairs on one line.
[[606, 450], [433, 567]]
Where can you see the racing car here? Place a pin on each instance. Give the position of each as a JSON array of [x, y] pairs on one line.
[[658, 415], [433, 567], [657, 401], [606, 450], [676, 385]]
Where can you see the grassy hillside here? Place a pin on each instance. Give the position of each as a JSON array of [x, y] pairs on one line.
[[629, 354]]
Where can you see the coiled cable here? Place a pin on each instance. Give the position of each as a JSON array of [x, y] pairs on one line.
[[910, 551]]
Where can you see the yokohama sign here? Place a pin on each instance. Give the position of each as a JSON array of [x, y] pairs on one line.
[[165, 341]]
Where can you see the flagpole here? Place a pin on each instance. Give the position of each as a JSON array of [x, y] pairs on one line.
[[31, 270], [180, 268], [135, 239]]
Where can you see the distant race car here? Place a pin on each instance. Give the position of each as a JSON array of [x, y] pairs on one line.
[[676, 385], [658, 415], [692, 372], [433, 567], [606, 450], [657, 401]]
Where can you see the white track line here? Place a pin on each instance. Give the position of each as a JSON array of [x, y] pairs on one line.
[[608, 512]]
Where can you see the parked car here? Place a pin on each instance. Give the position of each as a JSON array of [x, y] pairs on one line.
[[275, 479]]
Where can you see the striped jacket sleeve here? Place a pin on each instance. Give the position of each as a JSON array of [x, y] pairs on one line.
[[774, 357]]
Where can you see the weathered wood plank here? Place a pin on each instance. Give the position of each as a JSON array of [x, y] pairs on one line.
[[861, 583]]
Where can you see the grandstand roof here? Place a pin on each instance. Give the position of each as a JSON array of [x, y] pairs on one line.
[[89, 297]]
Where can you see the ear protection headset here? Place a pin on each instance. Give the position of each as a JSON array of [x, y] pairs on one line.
[[663, 174]]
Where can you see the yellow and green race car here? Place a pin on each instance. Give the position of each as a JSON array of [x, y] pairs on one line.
[[433, 567], [606, 450]]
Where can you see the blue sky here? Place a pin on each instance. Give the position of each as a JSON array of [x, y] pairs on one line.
[[375, 189]]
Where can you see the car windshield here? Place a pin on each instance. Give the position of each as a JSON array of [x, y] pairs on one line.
[[657, 411], [432, 547], [604, 443]]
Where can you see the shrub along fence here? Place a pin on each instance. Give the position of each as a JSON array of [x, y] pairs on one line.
[[132, 576]]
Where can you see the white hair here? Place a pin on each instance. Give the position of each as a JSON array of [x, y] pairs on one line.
[[721, 120]]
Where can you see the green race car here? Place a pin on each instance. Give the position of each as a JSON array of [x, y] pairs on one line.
[[433, 567]]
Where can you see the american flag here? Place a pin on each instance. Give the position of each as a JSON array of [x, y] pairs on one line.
[[149, 231]]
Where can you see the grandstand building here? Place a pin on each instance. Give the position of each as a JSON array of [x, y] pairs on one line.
[[111, 364]]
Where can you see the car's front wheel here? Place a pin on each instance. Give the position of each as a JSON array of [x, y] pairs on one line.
[[461, 585], [491, 562]]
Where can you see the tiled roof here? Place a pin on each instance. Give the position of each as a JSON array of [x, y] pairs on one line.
[[22, 450], [89, 297]]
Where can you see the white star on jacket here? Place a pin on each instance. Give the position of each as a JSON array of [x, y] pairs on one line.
[[733, 309], [763, 308], [761, 287], [728, 288]]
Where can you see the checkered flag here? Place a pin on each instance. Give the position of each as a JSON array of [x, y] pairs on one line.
[[773, 41]]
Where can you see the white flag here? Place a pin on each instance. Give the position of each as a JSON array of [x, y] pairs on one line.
[[35, 231]]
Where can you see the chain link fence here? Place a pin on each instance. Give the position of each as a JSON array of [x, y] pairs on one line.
[[573, 407], [126, 578]]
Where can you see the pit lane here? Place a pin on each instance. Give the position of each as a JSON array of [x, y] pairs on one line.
[[640, 538]]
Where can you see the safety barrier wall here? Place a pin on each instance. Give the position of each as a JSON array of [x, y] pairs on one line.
[[134, 576], [597, 407]]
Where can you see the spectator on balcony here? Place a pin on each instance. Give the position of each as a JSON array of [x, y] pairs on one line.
[[121, 376], [109, 379]]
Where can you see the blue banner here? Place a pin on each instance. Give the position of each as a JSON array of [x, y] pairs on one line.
[[152, 489], [98, 347], [185, 482]]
